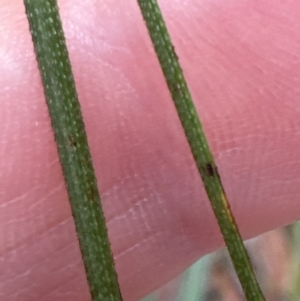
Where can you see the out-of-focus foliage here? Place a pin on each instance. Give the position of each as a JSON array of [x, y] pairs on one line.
[[276, 259]]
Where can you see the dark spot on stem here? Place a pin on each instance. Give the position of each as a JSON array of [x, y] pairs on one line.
[[174, 53], [211, 170], [92, 194], [174, 88], [71, 141]]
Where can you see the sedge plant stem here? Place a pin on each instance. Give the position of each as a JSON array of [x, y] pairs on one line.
[[199, 146], [67, 123]]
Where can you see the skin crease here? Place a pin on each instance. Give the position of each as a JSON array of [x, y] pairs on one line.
[[241, 60]]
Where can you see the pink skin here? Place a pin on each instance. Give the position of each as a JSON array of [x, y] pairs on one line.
[[241, 60]]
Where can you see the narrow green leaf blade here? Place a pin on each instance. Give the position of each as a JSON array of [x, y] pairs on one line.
[[199, 146], [68, 126]]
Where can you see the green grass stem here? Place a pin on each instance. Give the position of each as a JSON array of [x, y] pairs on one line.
[[199, 146], [74, 154]]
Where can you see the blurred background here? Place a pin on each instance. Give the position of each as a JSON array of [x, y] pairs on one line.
[[276, 259]]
